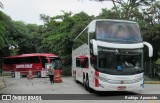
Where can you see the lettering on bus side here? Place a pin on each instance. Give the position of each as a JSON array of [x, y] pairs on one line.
[[24, 66]]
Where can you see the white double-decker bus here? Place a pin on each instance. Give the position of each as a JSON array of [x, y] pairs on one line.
[[108, 56]]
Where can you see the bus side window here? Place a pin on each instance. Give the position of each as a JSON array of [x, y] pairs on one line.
[[93, 62], [78, 62], [93, 58], [44, 60], [84, 63]]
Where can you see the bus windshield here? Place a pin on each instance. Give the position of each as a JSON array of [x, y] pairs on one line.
[[56, 62], [122, 32], [120, 62], [22, 60]]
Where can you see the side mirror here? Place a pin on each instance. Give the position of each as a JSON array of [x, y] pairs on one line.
[[150, 48], [95, 49]]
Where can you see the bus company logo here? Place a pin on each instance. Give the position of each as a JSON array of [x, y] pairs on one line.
[[110, 50], [24, 66], [6, 97]]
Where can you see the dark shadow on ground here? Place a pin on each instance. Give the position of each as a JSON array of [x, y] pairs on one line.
[[115, 93]]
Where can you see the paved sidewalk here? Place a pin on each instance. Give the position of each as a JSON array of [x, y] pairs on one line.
[[2, 85]]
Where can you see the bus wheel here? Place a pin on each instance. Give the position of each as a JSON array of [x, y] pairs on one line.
[[84, 83], [74, 76], [12, 74], [38, 74], [87, 86]]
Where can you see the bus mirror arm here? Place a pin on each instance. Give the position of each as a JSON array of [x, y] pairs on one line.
[[95, 50], [150, 48]]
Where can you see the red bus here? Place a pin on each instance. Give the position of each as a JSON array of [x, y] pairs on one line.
[[34, 62]]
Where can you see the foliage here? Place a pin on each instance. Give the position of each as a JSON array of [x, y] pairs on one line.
[[158, 61], [16, 37], [5, 22], [2, 42], [150, 26], [66, 70], [28, 37], [57, 36]]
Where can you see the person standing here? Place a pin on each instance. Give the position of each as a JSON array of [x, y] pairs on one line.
[[51, 74]]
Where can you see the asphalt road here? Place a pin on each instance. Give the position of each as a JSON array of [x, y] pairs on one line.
[[41, 86], [68, 86]]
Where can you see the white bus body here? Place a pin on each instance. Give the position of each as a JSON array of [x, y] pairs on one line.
[[110, 62]]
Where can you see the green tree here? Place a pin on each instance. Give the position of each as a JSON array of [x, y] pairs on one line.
[[107, 14], [2, 36], [26, 37], [16, 37], [58, 34], [5, 25], [127, 9], [34, 37], [150, 25]]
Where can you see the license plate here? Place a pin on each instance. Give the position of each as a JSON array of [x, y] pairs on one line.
[[121, 88]]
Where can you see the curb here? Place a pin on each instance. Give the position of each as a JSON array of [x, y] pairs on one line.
[[151, 82]]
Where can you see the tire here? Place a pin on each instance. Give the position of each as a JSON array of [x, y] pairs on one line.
[[38, 74], [88, 87], [84, 83], [74, 76], [13, 74]]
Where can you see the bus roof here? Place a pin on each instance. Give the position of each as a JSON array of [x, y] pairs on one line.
[[116, 20], [92, 24], [112, 20], [33, 54]]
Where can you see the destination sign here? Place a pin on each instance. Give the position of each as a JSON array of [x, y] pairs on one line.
[[24, 66]]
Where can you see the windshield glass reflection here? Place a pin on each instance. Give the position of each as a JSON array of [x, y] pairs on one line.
[[122, 32]]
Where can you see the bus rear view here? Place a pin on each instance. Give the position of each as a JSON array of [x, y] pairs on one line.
[[114, 49]]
